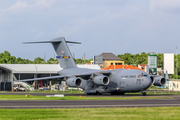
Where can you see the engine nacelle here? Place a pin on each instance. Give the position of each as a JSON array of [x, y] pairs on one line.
[[101, 80], [74, 82], [152, 80], [159, 81]]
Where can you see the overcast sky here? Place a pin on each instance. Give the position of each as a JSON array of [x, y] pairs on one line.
[[117, 26]]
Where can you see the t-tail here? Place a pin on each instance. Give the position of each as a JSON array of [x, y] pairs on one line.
[[64, 55]]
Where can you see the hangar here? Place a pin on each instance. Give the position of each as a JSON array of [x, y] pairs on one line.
[[12, 72]]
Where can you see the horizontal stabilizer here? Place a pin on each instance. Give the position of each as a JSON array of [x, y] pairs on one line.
[[56, 40], [42, 42], [53, 41]]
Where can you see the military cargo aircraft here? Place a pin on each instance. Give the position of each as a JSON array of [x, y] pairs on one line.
[[96, 82]]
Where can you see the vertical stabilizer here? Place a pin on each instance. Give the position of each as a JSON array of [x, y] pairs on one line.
[[64, 56]]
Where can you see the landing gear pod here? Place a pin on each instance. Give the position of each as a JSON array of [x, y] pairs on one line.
[[159, 81], [74, 82], [101, 80]]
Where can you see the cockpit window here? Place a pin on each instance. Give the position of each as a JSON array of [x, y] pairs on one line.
[[145, 75], [142, 75]]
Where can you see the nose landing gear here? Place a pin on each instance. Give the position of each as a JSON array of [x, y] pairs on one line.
[[143, 93]]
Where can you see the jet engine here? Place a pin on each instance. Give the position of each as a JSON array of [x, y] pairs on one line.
[[159, 81], [101, 80], [152, 80], [74, 82]]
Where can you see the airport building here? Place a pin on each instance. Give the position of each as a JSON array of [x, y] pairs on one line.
[[174, 84], [12, 72], [106, 59]]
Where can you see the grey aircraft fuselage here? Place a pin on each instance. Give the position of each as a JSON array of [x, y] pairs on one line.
[[121, 80]]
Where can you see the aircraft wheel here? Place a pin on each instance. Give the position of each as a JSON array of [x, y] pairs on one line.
[[143, 93], [97, 93], [113, 93]]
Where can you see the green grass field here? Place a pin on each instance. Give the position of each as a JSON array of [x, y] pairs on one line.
[[152, 113], [150, 92], [157, 93], [22, 97]]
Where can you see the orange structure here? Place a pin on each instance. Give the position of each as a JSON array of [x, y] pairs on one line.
[[135, 67], [112, 67]]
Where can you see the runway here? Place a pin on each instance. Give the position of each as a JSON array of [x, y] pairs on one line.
[[27, 104], [88, 103]]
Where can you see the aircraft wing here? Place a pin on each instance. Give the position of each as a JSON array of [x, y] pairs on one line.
[[88, 75], [83, 76], [105, 72], [44, 78]]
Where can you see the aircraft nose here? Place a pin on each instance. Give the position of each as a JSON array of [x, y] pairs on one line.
[[148, 79], [147, 83]]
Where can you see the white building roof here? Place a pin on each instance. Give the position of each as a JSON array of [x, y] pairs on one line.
[[39, 68]]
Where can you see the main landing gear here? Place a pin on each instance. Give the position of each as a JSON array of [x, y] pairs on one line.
[[143, 93], [97, 93], [116, 93]]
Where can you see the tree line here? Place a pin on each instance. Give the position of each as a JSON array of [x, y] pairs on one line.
[[128, 58], [6, 58], [142, 58]]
